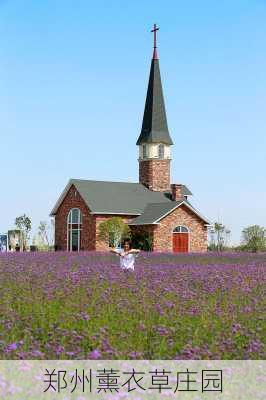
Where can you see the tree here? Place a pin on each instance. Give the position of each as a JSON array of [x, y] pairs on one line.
[[43, 233], [24, 224], [142, 241], [227, 237], [254, 238], [219, 231], [113, 231], [219, 237]]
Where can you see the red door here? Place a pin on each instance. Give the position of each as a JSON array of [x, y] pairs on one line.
[[180, 242]]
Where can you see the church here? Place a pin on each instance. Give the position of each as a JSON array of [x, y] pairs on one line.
[[153, 206]]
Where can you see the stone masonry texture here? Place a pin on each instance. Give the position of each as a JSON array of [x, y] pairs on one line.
[[176, 190], [163, 233], [155, 174]]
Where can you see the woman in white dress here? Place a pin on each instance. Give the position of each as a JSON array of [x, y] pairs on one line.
[[127, 255]]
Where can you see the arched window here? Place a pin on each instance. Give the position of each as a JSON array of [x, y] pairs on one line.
[[180, 229], [74, 223], [161, 150]]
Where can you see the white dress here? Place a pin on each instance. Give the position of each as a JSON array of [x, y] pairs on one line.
[[127, 261]]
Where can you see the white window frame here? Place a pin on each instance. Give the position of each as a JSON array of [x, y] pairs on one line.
[[70, 229], [180, 229]]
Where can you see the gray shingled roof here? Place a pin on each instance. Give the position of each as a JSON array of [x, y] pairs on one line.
[[114, 197], [125, 198], [155, 211], [186, 191], [154, 124]]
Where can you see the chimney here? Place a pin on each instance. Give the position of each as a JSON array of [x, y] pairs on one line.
[[177, 192]]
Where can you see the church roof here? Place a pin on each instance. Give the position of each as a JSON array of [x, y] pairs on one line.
[[113, 197], [154, 212], [116, 197], [154, 125]]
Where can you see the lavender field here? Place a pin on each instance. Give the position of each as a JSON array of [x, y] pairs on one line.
[[82, 306]]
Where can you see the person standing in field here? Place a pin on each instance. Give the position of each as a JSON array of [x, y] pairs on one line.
[[127, 255]]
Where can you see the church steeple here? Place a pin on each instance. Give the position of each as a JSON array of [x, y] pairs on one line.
[[154, 125], [154, 140]]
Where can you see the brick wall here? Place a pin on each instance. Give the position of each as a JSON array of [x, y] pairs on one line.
[[155, 174], [177, 192], [74, 200], [90, 223], [162, 233], [163, 240]]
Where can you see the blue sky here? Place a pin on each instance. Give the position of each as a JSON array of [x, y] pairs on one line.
[[73, 79]]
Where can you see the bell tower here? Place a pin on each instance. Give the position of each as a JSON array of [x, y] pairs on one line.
[[154, 140]]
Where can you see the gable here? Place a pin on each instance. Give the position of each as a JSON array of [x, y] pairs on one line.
[[154, 213], [188, 207], [71, 198]]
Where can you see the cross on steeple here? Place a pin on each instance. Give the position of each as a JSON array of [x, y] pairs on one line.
[[154, 31], [154, 124]]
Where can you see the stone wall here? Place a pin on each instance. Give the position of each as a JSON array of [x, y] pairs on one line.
[[163, 236], [155, 174]]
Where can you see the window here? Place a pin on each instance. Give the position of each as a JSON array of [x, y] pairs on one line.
[[74, 222], [161, 151], [144, 151], [180, 229]]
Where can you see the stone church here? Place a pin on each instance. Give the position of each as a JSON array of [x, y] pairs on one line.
[[153, 206]]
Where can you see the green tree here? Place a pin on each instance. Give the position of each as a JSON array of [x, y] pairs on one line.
[[113, 231], [219, 237], [142, 241], [219, 230], [24, 224], [45, 239], [43, 234], [254, 238]]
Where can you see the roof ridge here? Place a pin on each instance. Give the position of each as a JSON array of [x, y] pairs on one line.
[[164, 202], [100, 181]]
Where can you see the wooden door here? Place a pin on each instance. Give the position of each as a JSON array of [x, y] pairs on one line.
[[180, 242]]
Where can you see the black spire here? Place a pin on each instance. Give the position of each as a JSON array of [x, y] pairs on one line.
[[154, 124]]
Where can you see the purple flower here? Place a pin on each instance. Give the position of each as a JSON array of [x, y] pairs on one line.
[[94, 355], [84, 316], [236, 328], [70, 353], [194, 306], [11, 347]]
